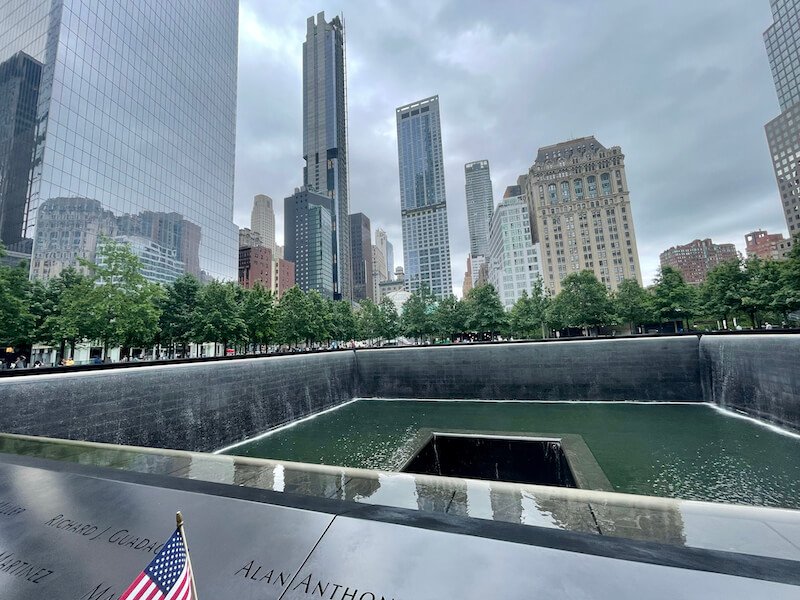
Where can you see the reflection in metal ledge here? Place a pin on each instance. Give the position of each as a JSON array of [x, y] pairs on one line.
[[751, 530]]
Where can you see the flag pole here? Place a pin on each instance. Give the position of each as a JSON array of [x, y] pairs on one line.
[[179, 521]]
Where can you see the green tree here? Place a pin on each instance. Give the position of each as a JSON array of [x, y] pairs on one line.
[[123, 303], [17, 324], [320, 319], [483, 310], [218, 315], [258, 313], [527, 318], [788, 297], [673, 299], [344, 326], [293, 317], [762, 289], [582, 302], [389, 319], [66, 310], [417, 319], [632, 304], [369, 320], [449, 318], [177, 320], [722, 292]]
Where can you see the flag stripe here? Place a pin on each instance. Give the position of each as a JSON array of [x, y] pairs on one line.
[[153, 593], [183, 588], [136, 586], [182, 580], [167, 577]]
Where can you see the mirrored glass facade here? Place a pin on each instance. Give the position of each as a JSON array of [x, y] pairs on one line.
[[135, 131], [783, 48], [423, 202], [480, 204], [325, 134]]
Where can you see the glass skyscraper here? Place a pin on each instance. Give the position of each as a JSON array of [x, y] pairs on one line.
[[782, 40], [480, 203], [309, 240], [423, 202], [134, 135], [325, 134]]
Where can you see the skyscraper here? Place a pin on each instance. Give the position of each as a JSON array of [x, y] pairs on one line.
[[309, 240], [262, 221], [387, 251], [361, 257], [579, 200], [325, 134], [480, 203], [144, 131], [783, 132], [423, 201], [389, 257], [379, 272], [513, 257]]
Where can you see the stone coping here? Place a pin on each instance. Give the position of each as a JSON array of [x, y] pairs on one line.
[[767, 532]]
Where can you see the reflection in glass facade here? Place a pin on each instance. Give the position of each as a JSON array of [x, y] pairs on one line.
[[135, 131], [783, 132], [783, 48], [423, 203], [19, 96]]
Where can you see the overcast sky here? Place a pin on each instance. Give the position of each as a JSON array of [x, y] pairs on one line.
[[684, 87]]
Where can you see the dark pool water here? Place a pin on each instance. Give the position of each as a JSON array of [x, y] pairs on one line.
[[683, 451]]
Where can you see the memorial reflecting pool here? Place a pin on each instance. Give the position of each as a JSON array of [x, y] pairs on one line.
[[693, 452]]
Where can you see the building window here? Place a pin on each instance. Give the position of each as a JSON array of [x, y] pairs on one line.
[[551, 191], [591, 183], [565, 191], [605, 181], [578, 185]]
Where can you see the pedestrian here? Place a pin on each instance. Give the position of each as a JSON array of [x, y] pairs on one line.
[[20, 364], [37, 364]]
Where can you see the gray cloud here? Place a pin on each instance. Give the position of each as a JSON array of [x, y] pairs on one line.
[[684, 87]]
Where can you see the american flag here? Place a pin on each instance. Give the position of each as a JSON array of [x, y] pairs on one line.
[[167, 577]]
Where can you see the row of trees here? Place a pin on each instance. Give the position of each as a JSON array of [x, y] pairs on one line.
[[112, 303]]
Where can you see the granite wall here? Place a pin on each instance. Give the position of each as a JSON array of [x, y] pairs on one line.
[[647, 369], [200, 406], [758, 375], [205, 406]]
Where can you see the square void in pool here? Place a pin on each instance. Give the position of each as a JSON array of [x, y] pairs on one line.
[[540, 461]]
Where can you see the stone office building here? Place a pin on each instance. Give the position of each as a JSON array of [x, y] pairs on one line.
[[255, 266], [581, 213], [767, 246]]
